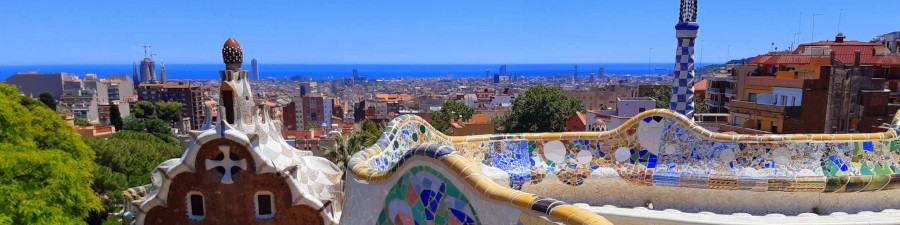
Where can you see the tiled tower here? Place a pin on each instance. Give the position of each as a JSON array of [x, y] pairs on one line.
[[683, 87]]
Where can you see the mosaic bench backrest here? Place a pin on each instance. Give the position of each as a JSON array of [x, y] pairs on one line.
[[662, 148], [408, 136]]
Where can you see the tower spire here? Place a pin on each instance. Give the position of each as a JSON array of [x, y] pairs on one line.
[[134, 75], [162, 71], [682, 99]]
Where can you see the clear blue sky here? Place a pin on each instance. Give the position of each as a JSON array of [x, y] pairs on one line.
[[400, 32]]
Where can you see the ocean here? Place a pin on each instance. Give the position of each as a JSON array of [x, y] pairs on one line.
[[327, 71]]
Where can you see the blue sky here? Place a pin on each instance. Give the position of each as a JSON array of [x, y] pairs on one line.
[[429, 32]]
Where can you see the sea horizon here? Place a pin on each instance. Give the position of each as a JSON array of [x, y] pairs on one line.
[[372, 71]]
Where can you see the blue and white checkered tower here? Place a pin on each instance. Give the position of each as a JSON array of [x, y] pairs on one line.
[[686, 32]]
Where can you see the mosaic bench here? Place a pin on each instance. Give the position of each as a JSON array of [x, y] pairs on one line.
[[661, 150]]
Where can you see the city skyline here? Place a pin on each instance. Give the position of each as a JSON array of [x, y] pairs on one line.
[[418, 33]]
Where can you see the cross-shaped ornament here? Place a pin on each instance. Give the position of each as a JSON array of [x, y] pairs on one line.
[[226, 163]]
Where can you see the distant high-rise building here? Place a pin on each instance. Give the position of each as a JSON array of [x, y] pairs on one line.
[[601, 72], [503, 70], [591, 80], [162, 71], [487, 73], [307, 88], [496, 78], [355, 74], [148, 70], [254, 69], [575, 75]]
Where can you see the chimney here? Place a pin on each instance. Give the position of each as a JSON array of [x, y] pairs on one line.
[[839, 38], [856, 58], [831, 53]]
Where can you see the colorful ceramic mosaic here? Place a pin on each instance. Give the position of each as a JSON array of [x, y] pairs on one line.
[[662, 148], [423, 196], [409, 136], [665, 150]]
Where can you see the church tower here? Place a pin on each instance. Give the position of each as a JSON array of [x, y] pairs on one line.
[[162, 72], [682, 99]]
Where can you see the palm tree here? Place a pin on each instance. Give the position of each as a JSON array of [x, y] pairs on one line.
[[343, 149]]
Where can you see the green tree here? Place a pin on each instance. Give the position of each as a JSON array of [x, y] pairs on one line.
[[143, 110], [47, 99], [169, 112], [663, 96], [343, 149], [82, 122], [541, 109], [371, 132], [125, 160], [450, 112], [132, 124], [45, 168], [115, 117], [157, 127], [700, 106]]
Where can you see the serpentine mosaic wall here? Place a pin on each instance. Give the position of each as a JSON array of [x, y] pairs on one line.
[[662, 148], [439, 186], [423, 196]]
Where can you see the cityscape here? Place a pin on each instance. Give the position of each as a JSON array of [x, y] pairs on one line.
[[804, 131]]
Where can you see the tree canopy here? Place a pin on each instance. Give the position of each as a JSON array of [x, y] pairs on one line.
[[345, 147], [115, 117], [45, 168], [143, 110], [663, 97], [47, 99], [541, 109], [451, 111], [125, 160], [169, 112]]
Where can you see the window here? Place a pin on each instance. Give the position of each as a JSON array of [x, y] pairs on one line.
[[774, 127], [642, 109], [196, 210], [794, 101], [784, 100], [752, 97], [265, 205]]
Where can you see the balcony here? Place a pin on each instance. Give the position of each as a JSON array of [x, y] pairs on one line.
[[730, 92], [727, 105], [713, 103], [772, 110], [712, 90], [731, 79]]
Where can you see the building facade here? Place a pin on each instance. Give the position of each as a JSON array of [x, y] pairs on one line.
[[598, 98], [720, 88], [33, 84], [818, 88], [184, 92]]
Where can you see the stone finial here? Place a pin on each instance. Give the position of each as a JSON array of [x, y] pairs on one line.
[[232, 55]]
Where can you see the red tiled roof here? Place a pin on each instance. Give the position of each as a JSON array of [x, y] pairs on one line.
[[700, 86]]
